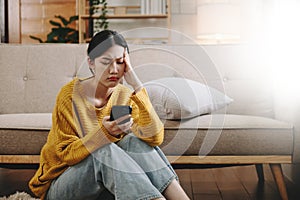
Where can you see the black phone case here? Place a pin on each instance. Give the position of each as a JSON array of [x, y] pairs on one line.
[[119, 111]]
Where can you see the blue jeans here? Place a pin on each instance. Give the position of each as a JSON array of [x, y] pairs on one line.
[[129, 170]]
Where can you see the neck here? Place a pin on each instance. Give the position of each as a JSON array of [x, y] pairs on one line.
[[101, 92], [97, 93]]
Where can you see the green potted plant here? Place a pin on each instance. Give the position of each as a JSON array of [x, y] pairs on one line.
[[61, 33], [101, 22]]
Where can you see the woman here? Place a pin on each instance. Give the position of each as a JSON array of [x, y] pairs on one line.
[[88, 156]]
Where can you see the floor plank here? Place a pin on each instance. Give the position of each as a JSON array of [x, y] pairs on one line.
[[232, 183], [12, 180], [229, 185], [207, 197], [204, 183], [255, 189]]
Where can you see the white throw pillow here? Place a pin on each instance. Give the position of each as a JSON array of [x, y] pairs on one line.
[[179, 98]]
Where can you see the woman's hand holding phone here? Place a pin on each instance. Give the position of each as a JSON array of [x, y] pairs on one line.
[[115, 128], [119, 121]]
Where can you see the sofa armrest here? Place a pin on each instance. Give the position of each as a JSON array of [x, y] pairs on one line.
[[287, 108]]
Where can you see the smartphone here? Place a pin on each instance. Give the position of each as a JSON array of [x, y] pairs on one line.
[[119, 111]]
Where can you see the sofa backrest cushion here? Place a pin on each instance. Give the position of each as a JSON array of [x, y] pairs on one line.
[[236, 70], [31, 75]]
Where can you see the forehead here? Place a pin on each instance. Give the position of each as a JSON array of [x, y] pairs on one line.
[[115, 51]]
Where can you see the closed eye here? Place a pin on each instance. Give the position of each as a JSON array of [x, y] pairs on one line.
[[105, 63], [120, 62], [108, 61]]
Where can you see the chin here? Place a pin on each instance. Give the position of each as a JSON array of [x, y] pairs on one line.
[[112, 84]]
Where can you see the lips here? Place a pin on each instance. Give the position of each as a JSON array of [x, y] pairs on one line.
[[113, 78]]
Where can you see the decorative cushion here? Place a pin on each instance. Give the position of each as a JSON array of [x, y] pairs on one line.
[[179, 98]]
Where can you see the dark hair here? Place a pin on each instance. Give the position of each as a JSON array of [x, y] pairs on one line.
[[102, 41]]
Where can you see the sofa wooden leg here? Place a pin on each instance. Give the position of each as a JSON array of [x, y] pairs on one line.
[[279, 179], [260, 172]]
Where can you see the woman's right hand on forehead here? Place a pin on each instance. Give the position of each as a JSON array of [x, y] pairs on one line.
[[130, 76], [126, 58]]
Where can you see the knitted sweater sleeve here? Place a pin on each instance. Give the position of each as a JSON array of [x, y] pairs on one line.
[[147, 125]]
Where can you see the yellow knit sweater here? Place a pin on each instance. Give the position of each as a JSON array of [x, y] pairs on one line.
[[77, 130]]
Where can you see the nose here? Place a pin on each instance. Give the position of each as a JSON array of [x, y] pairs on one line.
[[113, 69]]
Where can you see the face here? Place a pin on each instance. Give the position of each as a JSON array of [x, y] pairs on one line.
[[109, 67]]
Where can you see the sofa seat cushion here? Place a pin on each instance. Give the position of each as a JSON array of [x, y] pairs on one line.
[[36, 121], [204, 135], [23, 134], [228, 135]]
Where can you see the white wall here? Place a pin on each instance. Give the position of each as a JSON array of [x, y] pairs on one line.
[[184, 17]]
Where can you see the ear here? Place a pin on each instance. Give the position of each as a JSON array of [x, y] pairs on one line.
[[90, 61], [91, 65]]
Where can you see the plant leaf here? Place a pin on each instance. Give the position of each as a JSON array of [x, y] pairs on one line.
[[36, 38], [63, 20], [74, 37], [73, 18], [52, 36], [54, 23]]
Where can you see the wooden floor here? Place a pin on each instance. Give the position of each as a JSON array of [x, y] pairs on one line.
[[227, 183]]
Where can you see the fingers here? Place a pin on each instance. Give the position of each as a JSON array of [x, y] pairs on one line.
[[127, 60], [125, 127], [125, 52], [123, 119], [118, 126]]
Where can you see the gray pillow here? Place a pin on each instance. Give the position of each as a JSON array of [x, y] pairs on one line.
[[179, 98]]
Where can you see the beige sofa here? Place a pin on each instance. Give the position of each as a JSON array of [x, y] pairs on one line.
[[244, 132]]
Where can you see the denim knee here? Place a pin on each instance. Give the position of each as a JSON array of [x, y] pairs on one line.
[[131, 143]]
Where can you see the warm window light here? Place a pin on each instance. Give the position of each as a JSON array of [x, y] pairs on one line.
[[282, 36], [218, 22]]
